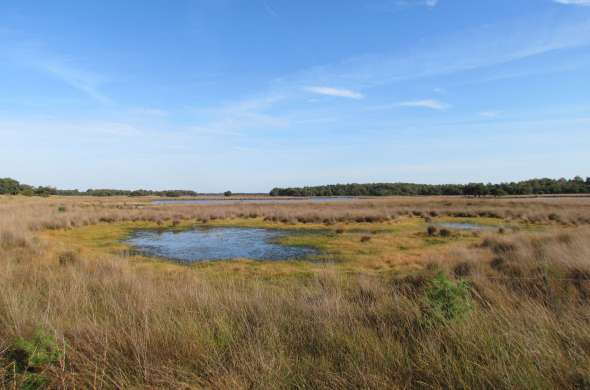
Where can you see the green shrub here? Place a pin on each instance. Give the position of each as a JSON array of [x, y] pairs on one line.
[[32, 356], [447, 300]]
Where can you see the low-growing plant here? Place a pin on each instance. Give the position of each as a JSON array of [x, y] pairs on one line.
[[431, 230], [68, 258], [447, 301], [31, 357], [444, 233]]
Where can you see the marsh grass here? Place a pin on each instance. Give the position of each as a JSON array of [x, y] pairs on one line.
[[520, 319]]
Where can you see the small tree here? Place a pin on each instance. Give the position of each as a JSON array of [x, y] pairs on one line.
[[227, 193], [9, 186]]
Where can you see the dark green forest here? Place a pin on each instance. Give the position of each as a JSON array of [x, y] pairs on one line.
[[577, 185], [545, 186], [13, 187]]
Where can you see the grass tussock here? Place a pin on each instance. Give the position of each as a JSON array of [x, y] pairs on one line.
[[501, 311]]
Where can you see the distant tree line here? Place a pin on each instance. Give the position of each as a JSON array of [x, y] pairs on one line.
[[13, 187], [577, 185]]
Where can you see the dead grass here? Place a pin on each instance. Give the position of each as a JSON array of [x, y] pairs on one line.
[[128, 324]]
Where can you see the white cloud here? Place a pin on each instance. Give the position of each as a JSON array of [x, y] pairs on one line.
[[431, 104], [427, 3], [585, 3], [145, 111], [338, 92], [489, 114]]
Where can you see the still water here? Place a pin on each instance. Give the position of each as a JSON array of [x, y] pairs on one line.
[[465, 226], [319, 199], [218, 243]]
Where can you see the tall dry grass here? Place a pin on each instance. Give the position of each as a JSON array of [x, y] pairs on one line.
[[25, 214], [123, 326]]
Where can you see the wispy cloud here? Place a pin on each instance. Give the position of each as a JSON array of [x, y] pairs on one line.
[[393, 5], [431, 104], [585, 3], [462, 51], [35, 56], [489, 114], [337, 92], [82, 80], [270, 10], [149, 112], [427, 3], [233, 118]]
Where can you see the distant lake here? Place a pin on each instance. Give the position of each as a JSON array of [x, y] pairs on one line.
[[318, 199], [465, 226], [217, 243]]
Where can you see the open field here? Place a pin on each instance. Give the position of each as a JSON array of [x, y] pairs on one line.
[[386, 305]]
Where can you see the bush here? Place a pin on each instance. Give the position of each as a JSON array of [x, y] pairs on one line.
[[447, 300], [431, 230], [68, 258], [9, 240], [31, 357], [445, 233]]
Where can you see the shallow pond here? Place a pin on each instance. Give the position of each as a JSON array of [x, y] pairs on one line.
[[319, 199], [465, 226], [218, 243]]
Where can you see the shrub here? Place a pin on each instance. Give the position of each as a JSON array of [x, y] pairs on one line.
[[32, 356], [447, 300], [431, 230], [62, 209], [68, 257], [365, 238], [9, 240], [445, 233]]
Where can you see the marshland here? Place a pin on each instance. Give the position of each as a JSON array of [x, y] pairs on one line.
[[391, 297], [275, 194]]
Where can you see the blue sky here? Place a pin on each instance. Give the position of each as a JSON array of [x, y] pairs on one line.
[[247, 95]]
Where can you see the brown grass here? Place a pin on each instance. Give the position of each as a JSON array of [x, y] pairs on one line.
[[122, 324]]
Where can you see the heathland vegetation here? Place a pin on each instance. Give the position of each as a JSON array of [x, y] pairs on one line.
[[394, 304], [576, 185]]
